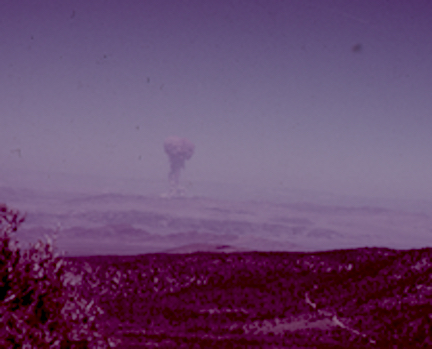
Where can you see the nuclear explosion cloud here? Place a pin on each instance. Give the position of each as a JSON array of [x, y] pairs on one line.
[[178, 150]]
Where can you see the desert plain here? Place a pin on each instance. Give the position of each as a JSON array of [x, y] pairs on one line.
[[125, 224]]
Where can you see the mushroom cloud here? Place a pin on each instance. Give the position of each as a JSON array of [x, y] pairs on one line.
[[178, 150]]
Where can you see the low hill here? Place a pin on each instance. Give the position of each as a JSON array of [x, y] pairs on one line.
[[366, 297]]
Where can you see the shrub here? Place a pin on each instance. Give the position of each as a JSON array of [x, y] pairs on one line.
[[40, 302]]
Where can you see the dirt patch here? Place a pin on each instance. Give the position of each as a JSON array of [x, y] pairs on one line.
[[279, 326]]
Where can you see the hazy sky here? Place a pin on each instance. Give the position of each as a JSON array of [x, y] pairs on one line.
[[333, 95]]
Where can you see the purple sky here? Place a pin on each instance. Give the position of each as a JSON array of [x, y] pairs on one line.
[[327, 95]]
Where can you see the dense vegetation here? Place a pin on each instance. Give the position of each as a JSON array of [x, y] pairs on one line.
[[40, 302]]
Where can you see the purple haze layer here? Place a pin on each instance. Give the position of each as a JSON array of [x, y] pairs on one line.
[[322, 95]]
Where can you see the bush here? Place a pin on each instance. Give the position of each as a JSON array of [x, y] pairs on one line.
[[40, 302]]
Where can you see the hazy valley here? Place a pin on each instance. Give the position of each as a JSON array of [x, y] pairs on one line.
[[112, 223]]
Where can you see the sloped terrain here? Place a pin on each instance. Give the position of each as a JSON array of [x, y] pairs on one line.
[[114, 224], [367, 297]]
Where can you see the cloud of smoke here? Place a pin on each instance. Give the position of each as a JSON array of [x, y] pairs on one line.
[[178, 150]]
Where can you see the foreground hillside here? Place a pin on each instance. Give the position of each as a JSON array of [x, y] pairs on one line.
[[368, 297]]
